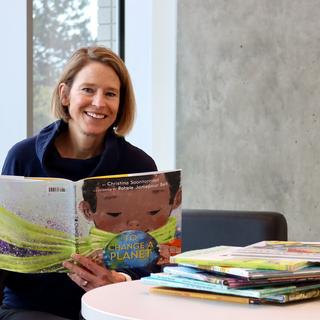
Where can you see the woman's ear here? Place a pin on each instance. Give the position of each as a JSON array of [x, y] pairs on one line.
[[84, 208], [177, 199], [64, 94]]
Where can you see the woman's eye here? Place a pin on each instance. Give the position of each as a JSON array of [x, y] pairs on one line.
[[153, 212], [111, 94], [87, 90], [113, 214]]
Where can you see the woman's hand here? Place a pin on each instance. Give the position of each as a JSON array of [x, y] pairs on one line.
[[89, 275]]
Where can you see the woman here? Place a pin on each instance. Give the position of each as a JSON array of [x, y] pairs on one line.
[[94, 102]]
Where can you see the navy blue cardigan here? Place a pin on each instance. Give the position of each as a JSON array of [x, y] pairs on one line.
[[37, 157]]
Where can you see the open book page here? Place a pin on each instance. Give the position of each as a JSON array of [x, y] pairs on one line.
[[130, 221], [37, 223]]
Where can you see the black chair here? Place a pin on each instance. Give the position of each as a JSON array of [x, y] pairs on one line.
[[204, 228], [3, 274]]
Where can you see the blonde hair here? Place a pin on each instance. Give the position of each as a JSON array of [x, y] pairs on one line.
[[80, 59]]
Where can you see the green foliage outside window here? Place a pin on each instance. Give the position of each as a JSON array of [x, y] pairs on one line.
[[59, 28]]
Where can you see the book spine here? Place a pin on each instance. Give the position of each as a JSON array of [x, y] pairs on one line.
[[76, 219]]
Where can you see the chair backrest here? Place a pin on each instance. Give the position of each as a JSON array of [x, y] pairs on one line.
[[204, 228]]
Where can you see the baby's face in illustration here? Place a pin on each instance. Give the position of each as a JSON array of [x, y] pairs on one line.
[[143, 209]]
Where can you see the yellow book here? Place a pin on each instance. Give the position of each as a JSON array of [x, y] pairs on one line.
[[203, 295]]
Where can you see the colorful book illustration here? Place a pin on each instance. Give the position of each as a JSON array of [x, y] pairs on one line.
[[123, 221], [166, 280], [229, 257]]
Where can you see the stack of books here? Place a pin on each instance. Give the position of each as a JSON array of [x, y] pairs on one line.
[[265, 272]]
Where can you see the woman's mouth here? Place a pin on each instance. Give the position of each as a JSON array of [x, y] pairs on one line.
[[95, 115]]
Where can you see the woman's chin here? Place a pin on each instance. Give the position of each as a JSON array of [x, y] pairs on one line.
[[93, 132]]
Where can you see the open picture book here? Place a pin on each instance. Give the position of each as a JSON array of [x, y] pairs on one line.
[[121, 221]]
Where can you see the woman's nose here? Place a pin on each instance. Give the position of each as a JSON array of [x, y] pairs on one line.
[[99, 99]]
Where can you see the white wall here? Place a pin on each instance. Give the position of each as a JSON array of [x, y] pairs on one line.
[[13, 57], [150, 55]]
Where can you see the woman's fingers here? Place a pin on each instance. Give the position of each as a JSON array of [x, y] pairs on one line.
[[79, 270], [88, 274], [84, 284], [90, 265]]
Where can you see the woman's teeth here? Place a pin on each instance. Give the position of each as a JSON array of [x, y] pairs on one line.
[[95, 115]]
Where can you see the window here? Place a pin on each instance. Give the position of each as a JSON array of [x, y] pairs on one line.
[[59, 28], [150, 58]]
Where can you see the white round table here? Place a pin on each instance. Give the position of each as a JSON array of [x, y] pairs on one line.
[[132, 300]]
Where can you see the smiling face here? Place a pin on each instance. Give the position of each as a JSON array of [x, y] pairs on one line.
[[137, 209], [93, 100]]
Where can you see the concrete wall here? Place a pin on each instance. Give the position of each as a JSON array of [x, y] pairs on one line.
[[248, 93]]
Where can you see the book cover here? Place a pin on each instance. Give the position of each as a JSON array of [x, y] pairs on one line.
[[123, 221], [229, 257]]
